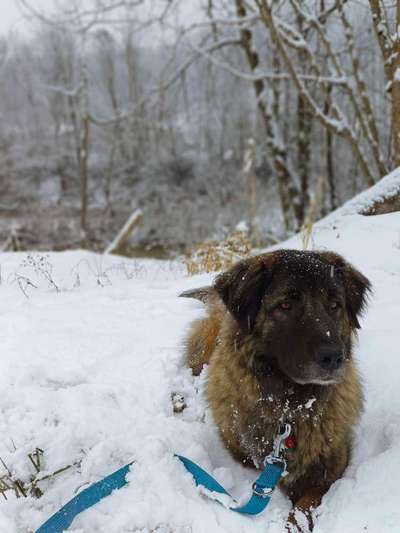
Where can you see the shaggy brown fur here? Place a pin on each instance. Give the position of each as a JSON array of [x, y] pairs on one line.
[[278, 341]]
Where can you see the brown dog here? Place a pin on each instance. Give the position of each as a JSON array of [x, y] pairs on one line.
[[278, 340]]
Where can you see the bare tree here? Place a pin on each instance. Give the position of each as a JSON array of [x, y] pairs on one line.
[[325, 71], [126, 116], [387, 33], [82, 22]]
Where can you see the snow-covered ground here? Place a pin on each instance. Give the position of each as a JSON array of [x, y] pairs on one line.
[[87, 373]]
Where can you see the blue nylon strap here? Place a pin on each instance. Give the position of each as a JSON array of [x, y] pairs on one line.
[[61, 520], [268, 479]]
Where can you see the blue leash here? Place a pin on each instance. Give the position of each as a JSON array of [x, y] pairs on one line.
[[263, 488], [63, 518]]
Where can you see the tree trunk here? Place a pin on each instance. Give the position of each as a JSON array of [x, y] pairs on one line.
[[396, 89], [304, 127], [389, 43], [329, 157], [289, 194], [84, 156], [128, 228]]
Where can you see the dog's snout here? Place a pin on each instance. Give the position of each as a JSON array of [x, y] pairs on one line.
[[330, 357]]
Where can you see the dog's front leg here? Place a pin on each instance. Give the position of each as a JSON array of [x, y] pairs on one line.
[[300, 518], [307, 491]]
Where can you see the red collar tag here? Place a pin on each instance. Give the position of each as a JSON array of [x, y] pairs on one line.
[[290, 442]]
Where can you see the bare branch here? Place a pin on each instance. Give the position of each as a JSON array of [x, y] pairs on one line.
[[336, 123]]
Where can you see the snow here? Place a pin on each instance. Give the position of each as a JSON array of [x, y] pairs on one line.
[[310, 402], [385, 188], [87, 374]]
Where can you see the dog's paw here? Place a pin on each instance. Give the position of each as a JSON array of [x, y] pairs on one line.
[[299, 522], [300, 519]]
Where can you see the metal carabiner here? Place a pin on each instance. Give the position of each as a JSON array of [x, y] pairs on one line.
[[279, 441], [276, 456]]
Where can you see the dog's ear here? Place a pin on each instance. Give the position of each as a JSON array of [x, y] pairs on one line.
[[243, 286], [357, 286], [357, 289]]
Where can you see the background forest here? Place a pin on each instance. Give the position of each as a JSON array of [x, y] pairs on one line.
[[201, 113]]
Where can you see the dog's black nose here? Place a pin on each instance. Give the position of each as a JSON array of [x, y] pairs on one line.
[[330, 356]]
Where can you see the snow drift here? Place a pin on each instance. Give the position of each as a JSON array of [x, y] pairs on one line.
[[91, 351]]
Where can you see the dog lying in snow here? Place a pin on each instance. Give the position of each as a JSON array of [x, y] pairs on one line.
[[278, 342]]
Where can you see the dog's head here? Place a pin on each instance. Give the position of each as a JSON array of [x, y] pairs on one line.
[[300, 309]]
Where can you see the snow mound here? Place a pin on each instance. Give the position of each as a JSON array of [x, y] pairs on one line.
[[91, 356], [385, 189]]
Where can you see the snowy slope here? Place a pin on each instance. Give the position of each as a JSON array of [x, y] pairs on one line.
[[386, 188], [86, 374]]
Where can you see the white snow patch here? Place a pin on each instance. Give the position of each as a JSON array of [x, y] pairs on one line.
[[87, 374], [309, 403]]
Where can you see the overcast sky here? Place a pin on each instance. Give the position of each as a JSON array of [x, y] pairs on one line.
[[10, 16]]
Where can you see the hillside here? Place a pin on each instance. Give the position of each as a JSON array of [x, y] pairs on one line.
[[90, 358]]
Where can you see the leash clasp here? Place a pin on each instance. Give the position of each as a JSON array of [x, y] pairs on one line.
[[279, 441], [276, 456]]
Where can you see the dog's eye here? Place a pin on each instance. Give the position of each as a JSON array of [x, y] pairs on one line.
[[286, 306], [334, 306]]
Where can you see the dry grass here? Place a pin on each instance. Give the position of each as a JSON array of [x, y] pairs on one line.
[[306, 231], [214, 256]]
